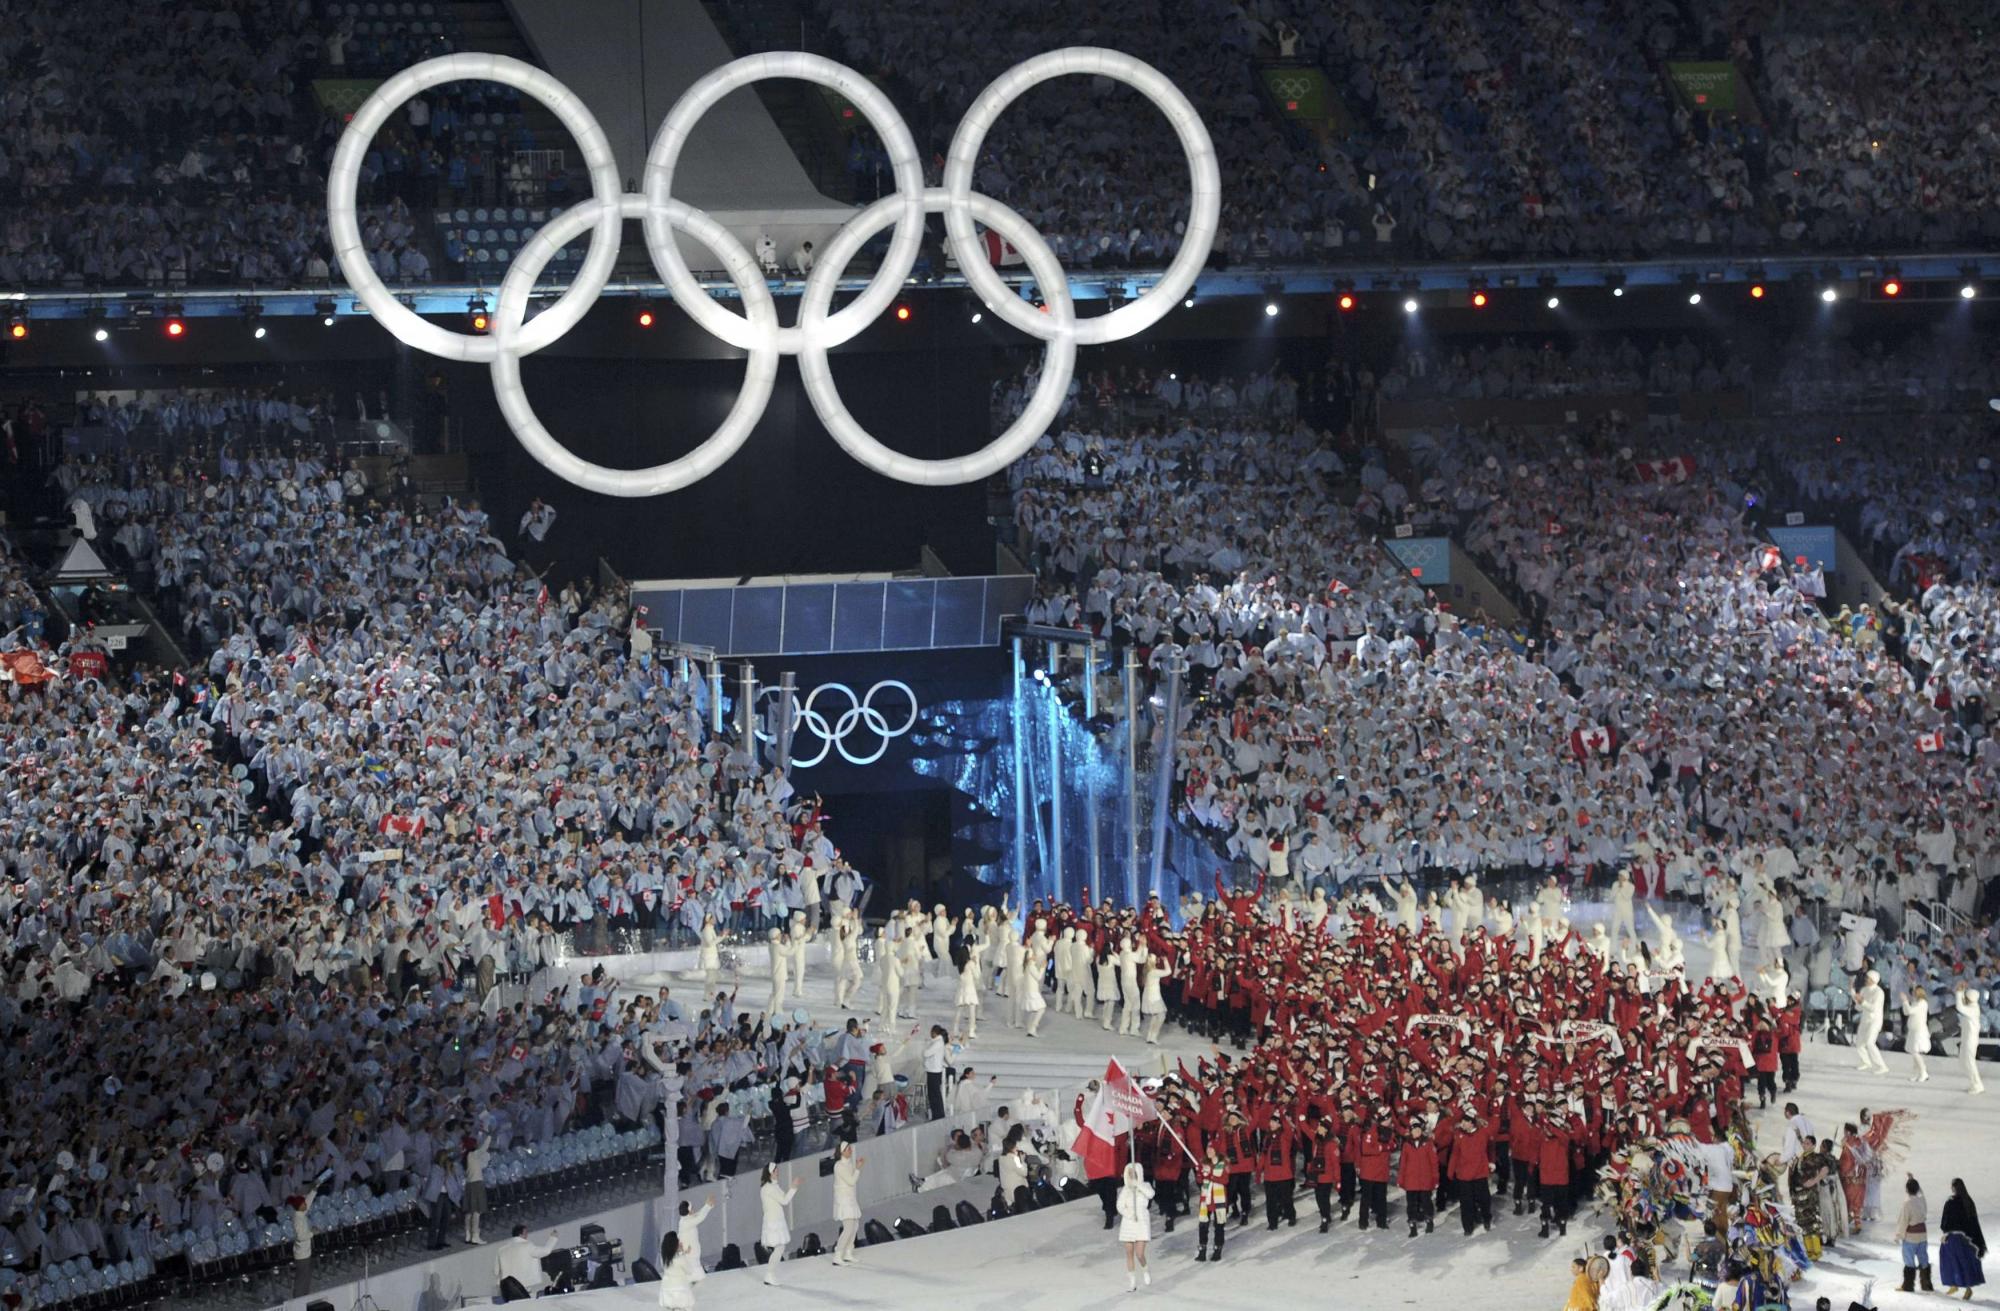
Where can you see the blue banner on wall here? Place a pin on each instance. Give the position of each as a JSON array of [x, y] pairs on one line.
[[1427, 558], [1817, 545]]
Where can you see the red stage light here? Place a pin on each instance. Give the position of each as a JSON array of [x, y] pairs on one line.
[[903, 312], [1479, 300], [17, 330], [645, 318], [1756, 291], [1346, 301], [1892, 288], [175, 327], [479, 323]]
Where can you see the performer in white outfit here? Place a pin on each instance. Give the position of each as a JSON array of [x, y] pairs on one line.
[[910, 961], [1671, 955], [940, 939], [888, 978], [777, 1229], [1623, 925], [1033, 1004], [1152, 1005], [965, 1005], [1014, 964], [780, 949], [1868, 1003], [847, 1201], [710, 958], [1917, 1032], [1772, 981], [1065, 968], [1107, 987], [1966, 1002], [1135, 1224], [1721, 964], [679, 1273], [1128, 985]]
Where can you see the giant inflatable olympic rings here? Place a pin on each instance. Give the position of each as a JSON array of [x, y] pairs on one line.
[[756, 331]]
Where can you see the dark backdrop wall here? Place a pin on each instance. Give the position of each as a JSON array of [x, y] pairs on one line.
[[790, 501]]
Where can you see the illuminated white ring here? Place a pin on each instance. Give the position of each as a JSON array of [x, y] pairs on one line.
[[833, 734], [1058, 365], [758, 331], [888, 124], [510, 340], [1204, 208], [343, 221]]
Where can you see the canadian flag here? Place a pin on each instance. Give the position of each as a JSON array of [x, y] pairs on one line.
[[1769, 558], [1338, 588], [1119, 1107], [1677, 470], [409, 826], [1000, 252], [1597, 740], [1931, 741], [1554, 529]]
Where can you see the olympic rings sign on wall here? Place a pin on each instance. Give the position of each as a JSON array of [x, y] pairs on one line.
[[860, 713], [757, 331]]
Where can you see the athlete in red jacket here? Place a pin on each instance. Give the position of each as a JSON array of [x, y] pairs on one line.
[[1372, 1164], [1275, 1147], [1417, 1176], [1324, 1165], [1469, 1168], [1553, 1172]]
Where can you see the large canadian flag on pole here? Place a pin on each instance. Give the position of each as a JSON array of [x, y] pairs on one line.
[[1119, 1107]]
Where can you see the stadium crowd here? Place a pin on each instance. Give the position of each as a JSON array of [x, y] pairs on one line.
[[402, 777], [1656, 708]]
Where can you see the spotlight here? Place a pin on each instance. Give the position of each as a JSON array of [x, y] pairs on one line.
[[258, 332], [1188, 304], [324, 307], [174, 326], [977, 316], [1555, 302], [1967, 292], [1829, 295], [1346, 303], [1270, 309], [1615, 281], [1618, 291], [1892, 288], [1694, 298], [646, 317], [1756, 291], [903, 313], [476, 307], [17, 328], [101, 335], [1479, 300], [1410, 306]]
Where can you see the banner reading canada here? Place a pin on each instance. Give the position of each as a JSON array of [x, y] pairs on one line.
[[1706, 84]]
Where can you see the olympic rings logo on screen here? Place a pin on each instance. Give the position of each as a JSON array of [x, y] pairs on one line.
[[1291, 87], [511, 335], [833, 734]]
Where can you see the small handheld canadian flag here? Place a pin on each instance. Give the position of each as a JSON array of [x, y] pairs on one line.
[[1931, 741], [1596, 740]]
